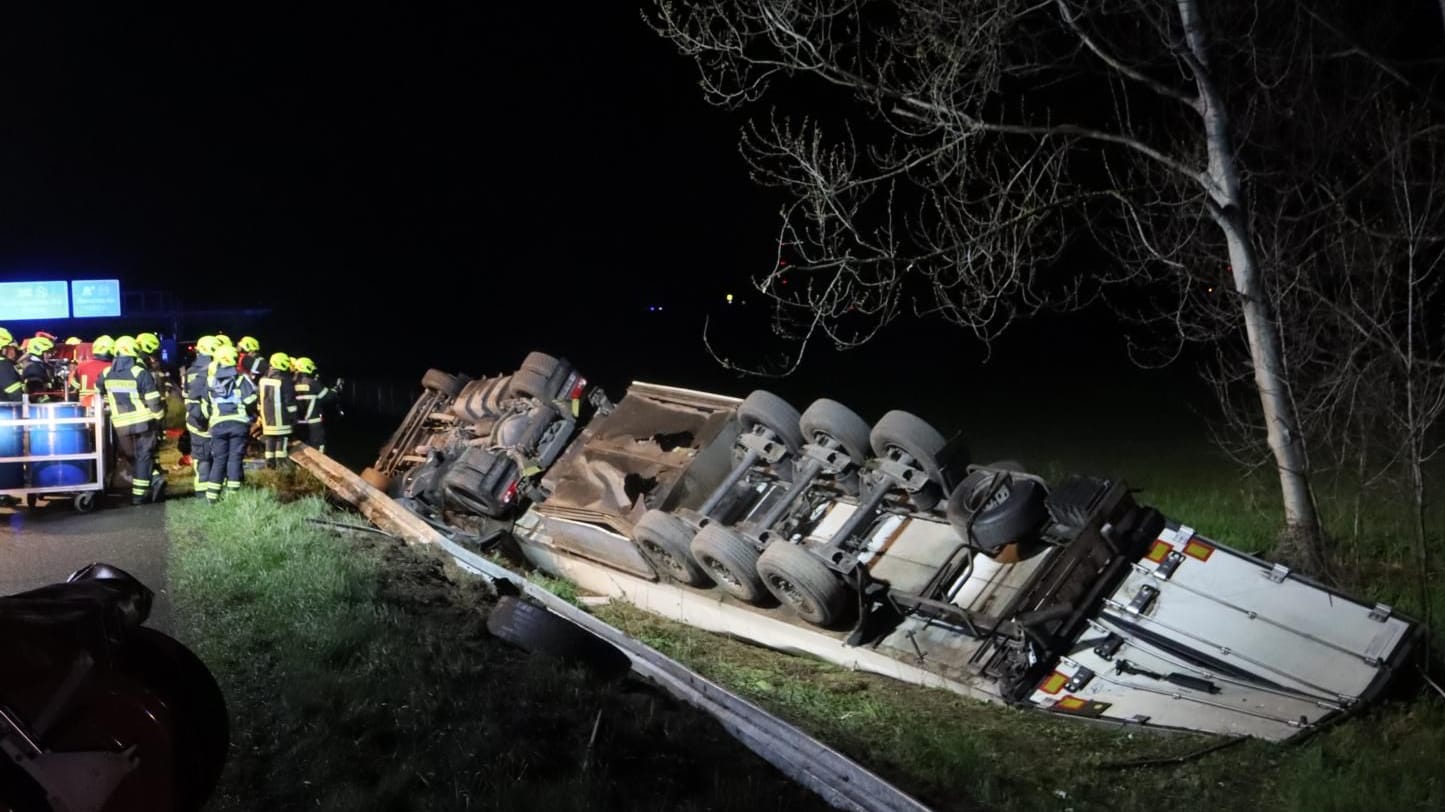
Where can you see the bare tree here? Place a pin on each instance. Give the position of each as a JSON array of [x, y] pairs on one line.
[[996, 131]]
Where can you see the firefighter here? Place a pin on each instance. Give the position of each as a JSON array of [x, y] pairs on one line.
[[85, 375], [135, 411], [312, 397], [12, 386], [198, 412], [249, 358], [230, 397], [278, 408], [35, 368]]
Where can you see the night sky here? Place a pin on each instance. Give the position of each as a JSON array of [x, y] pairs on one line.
[[409, 187]]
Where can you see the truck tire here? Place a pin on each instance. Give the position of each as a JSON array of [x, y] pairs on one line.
[[992, 528], [731, 561], [665, 540], [537, 629], [832, 419], [528, 384], [444, 382], [901, 431], [763, 408], [799, 579]]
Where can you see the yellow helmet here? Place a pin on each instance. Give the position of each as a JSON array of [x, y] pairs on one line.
[[125, 347], [225, 356], [206, 345], [281, 362], [223, 340], [103, 345], [147, 343], [5, 338], [248, 344], [72, 341], [304, 365], [39, 345]]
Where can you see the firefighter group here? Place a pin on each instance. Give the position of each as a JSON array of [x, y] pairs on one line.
[[231, 393]]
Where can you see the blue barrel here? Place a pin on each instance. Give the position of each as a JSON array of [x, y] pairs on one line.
[[59, 438], [12, 474]]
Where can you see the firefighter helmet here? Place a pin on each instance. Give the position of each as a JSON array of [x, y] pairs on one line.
[[125, 347], [102, 345], [147, 343], [223, 340], [72, 341], [225, 356], [206, 345], [5, 338], [304, 365], [39, 345], [281, 362], [248, 344]]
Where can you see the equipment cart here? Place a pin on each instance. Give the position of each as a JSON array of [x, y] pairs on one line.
[[52, 449]]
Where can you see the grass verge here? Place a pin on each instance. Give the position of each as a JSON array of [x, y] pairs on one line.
[[359, 675]]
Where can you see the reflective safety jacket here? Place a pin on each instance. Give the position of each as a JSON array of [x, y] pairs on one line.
[[229, 395], [198, 406], [311, 398], [12, 386], [86, 376], [253, 364], [278, 403], [131, 394]]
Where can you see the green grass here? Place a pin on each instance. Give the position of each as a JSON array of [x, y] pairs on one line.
[[359, 675]]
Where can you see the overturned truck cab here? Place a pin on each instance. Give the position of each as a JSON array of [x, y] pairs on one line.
[[884, 548]]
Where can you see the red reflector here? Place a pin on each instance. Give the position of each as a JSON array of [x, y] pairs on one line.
[[577, 388], [1070, 703], [510, 493], [1198, 549], [1053, 683], [1158, 551]]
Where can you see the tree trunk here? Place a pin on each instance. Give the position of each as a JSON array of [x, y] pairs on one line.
[[1301, 542]]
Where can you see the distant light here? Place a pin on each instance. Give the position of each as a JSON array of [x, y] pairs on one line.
[[654, 308], [729, 297]]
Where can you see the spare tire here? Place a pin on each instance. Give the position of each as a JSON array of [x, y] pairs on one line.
[[901, 431], [444, 382], [763, 408], [1016, 510]]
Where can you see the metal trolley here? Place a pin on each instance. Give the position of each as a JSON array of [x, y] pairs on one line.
[[32, 436]]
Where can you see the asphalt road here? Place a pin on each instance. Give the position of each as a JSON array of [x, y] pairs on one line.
[[43, 546]]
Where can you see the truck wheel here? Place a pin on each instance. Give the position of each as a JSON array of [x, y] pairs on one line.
[[731, 560], [908, 433], [831, 419], [797, 578], [444, 382], [763, 408], [1017, 511], [537, 629], [666, 540], [532, 377]]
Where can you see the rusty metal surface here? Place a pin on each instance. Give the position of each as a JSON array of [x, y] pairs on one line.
[[657, 449]]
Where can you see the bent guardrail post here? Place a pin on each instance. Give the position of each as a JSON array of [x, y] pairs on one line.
[[837, 779]]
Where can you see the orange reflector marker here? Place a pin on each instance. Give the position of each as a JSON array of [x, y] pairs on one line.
[[1053, 683], [1198, 549], [1071, 703], [1158, 551]]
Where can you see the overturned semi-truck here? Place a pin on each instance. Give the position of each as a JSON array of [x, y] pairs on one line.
[[883, 547]]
